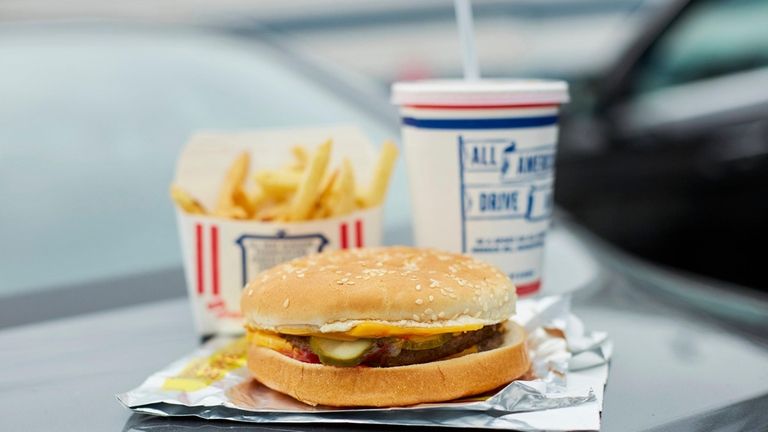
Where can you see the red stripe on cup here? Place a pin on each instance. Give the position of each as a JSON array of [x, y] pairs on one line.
[[470, 107], [215, 259], [199, 257], [359, 233], [528, 288]]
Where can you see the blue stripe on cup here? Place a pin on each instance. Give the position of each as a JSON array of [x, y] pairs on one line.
[[485, 123]]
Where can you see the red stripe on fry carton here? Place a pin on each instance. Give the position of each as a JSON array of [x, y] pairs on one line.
[[343, 234], [215, 259], [359, 233], [199, 257]]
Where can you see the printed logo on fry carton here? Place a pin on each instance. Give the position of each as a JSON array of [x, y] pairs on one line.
[[260, 252]]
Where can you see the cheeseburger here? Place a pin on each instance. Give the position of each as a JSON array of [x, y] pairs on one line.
[[383, 327]]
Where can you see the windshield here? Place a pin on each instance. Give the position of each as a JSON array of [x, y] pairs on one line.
[[713, 39]]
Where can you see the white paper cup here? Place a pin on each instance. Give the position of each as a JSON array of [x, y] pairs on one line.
[[481, 164], [221, 256]]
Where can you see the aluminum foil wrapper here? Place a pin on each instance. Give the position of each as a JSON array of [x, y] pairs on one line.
[[570, 366]]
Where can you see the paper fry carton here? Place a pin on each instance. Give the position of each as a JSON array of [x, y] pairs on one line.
[[221, 255]]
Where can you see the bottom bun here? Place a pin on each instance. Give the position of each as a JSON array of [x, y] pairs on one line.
[[436, 381]]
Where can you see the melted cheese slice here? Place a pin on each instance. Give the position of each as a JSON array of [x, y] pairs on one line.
[[268, 340], [372, 329], [378, 330]]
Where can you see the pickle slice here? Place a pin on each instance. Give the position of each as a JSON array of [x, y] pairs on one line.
[[417, 343], [339, 353]]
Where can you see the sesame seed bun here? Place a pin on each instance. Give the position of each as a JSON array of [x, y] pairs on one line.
[[435, 381], [395, 286]]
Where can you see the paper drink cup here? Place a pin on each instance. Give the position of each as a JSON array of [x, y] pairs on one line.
[[221, 255], [481, 166]]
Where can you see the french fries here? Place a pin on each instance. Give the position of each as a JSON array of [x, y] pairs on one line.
[[309, 188], [375, 193], [304, 189], [301, 156], [322, 208], [231, 194], [278, 182], [344, 190], [185, 201]]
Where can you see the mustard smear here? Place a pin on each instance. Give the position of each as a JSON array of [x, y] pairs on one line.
[[203, 372]]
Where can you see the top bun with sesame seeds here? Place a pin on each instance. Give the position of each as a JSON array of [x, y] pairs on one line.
[[392, 286]]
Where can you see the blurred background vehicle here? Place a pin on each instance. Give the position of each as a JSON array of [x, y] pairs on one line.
[[666, 152], [662, 153]]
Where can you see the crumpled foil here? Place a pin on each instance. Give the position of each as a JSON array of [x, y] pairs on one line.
[[570, 365]]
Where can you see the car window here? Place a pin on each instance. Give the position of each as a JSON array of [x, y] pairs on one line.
[[91, 122], [711, 39]]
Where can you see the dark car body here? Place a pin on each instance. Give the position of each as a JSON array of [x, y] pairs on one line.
[[666, 154]]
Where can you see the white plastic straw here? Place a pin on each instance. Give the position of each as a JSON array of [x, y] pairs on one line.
[[467, 36]]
